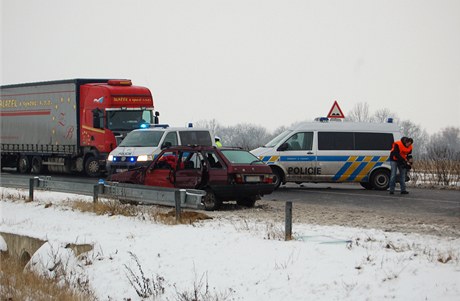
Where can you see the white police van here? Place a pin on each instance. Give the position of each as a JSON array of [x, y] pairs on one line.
[[140, 146], [332, 152]]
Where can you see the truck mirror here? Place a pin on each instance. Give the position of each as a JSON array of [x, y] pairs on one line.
[[283, 147]]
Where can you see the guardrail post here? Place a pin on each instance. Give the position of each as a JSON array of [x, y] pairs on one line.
[[98, 189], [288, 221], [177, 199], [32, 182]]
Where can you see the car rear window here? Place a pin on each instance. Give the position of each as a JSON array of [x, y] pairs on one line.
[[240, 157], [195, 138], [142, 138]]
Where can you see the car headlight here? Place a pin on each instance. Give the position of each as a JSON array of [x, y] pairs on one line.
[[110, 158], [144, 158]]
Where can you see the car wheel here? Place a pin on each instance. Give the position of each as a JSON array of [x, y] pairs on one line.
[[366, 185], [380, 179], [23, 164], [247, 201], [92, 168], [277, 177], [210, 201]]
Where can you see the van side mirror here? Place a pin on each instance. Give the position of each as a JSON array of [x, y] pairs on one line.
[[283, 147]]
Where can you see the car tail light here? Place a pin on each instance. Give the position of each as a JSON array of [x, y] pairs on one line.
[[268, 179], [239, 179]]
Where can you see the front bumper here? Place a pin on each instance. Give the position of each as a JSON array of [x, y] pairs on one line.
[[120, 166]]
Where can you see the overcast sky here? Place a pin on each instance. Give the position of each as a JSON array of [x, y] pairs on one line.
[[265, 62]]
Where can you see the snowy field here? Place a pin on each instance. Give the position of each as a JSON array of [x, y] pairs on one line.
[[234, 259]]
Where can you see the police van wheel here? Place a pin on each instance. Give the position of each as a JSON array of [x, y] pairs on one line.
[[277, 177], [380, 179]]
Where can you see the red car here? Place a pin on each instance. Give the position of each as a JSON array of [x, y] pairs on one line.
[[225, 173]]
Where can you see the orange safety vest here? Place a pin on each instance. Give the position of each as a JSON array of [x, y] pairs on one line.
[[403, 150]]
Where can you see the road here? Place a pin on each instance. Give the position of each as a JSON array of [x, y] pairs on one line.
[[428, 211]]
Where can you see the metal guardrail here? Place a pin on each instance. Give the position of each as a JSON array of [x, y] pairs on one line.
[[174, 197]]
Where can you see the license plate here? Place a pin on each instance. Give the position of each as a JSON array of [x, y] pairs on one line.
[[252, 179], [121, 169]]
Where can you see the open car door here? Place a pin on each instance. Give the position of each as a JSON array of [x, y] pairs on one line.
[[189, 172], [161, 172]]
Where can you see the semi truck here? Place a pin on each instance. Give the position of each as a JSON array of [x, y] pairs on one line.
[[69, 126]]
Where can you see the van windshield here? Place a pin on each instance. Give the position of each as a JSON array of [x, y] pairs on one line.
[[274, 142], [142, 139]]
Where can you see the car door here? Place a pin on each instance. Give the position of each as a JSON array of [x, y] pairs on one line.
[[161, 172], [189, 172], [298, 157]]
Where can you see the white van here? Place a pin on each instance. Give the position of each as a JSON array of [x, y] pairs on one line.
[[140, 147], [332, 152]]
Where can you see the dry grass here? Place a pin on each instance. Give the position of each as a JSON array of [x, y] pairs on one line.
[[153, 213], [17, 283], [109, 207], [443, 173]]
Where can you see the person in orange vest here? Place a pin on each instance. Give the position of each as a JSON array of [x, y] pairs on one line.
[[400, 160]]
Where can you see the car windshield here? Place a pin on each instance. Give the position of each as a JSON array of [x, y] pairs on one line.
[[274, 142], [142, 138], [241, 157]]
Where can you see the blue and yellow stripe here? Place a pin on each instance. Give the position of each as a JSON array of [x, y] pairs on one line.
[[354, 169]]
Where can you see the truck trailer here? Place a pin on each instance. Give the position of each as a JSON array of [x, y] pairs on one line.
[[71, 125]]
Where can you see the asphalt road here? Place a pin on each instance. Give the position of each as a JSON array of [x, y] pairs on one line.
[[419, 200]]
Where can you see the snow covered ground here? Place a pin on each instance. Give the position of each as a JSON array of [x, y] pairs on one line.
[[236, 259]]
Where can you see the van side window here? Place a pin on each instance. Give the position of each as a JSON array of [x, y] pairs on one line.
[[373, 141], [171, 139], [300, 141], [195, 138], [354, 141], [335, 141]]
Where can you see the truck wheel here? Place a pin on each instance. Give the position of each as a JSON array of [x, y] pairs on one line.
[[277, 177], [23, 164], [37, 165], [380, 179], [92, 168], [210, 201], [247, 201]]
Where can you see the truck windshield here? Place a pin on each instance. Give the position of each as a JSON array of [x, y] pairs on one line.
[[128, 119], [240, 157], [142, 138], [277, 139]]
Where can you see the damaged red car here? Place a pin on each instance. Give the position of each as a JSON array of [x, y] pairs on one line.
[[225, 174]]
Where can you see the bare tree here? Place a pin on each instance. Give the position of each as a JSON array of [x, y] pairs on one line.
[[212, 125], [420, 136], [382, 115], [245, 135], [359, 113]]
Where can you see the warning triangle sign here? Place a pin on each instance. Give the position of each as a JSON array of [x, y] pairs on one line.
[[335, 111]]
